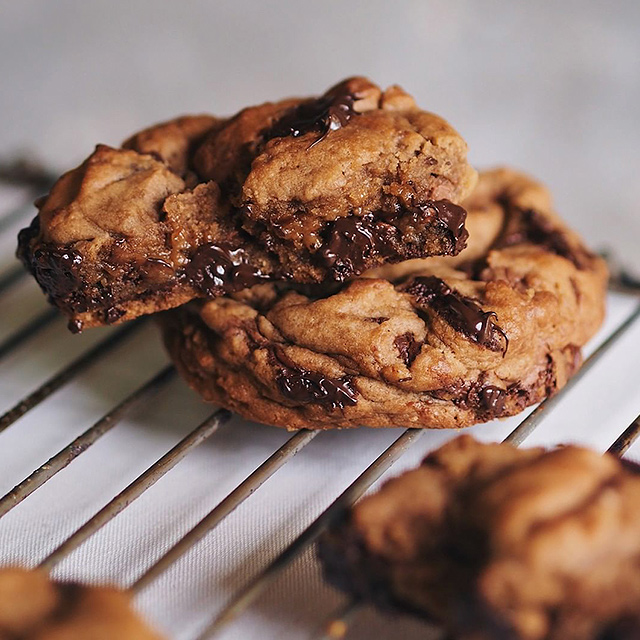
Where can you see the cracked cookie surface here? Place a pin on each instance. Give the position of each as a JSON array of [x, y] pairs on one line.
[[437, 342], [304, 190], [496, 542], [33, 607]]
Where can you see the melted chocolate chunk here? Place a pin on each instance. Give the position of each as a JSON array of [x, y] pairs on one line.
[[377, 320], [452, 217], [529, 226], [408, 347], [350, 244], [485, 400], [327, 113], [218, 268], [462, 313], [492, 398], [300, 385], [56, 270]]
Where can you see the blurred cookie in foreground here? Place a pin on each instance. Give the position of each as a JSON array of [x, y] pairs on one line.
[[495, 542], [302, 190], [33, 607], [436, 342]]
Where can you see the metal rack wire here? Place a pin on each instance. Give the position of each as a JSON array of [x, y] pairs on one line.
[[243, 599]]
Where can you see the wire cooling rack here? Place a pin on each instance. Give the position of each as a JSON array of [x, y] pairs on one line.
[[51, 396]]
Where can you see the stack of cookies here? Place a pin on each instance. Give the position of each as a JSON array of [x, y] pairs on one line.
[[326, 262]]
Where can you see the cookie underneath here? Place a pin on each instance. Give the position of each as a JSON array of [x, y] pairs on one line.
[[437, 342], [303, 190]]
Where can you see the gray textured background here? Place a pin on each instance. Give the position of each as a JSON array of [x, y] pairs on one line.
[[551, 87]]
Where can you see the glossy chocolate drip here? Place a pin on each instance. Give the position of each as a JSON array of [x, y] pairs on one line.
[[452, 217], [56, 270], [309, 387], [216, 269], [462, 313], [408, 347], [351, 243], [529, 226], [327, 113]]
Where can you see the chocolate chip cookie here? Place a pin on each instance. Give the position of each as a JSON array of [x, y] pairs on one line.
[[495, 542], [437, 342], [34, 607], [303, 190]]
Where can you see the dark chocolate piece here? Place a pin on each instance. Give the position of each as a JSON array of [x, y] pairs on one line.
[[408, 347], [216, 269], [25, 236], [486, 400], [351, 242], [492, 398], [377, 320], [300, 385], [327, 113], [452, 217], [462, 313], [56, 270]]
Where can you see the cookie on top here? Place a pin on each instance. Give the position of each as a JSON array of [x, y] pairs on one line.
[[304, 191]]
